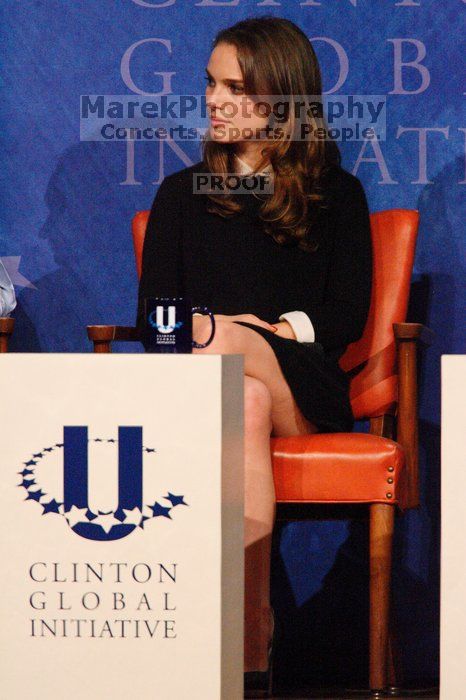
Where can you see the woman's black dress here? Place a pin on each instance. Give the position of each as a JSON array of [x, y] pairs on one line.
[[233, 267]]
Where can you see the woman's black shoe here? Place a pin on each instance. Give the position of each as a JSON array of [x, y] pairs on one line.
[[258, 684]]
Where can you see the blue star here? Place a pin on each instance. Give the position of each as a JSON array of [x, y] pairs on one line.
[[175, 500], [144, 518], [26, 472], [27, 483], [119, 513], [38, 455], [51, 507], [30, 463], [34, 495], [159, 510]]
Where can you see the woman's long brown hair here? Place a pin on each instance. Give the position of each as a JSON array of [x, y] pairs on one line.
[[277, 58]]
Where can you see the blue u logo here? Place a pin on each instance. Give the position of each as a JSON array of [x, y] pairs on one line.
[[159, 324], [101, 526]]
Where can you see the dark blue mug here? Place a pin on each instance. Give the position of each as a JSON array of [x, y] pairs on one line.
[[169, 324]]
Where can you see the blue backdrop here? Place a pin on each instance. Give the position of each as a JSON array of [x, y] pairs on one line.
[[65, 236]]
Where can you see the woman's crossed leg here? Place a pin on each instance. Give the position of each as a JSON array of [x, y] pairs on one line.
[[269, 408]]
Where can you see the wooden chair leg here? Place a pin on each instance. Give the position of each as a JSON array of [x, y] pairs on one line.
[[394, 670], [102, 346], [6, 329], [382, 518], [395, 661]]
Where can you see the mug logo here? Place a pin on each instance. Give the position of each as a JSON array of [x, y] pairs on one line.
[[131, 511], [158, 322]]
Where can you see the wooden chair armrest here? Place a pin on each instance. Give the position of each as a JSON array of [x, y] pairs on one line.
[[103, 336], [6, 329], [413, 331]]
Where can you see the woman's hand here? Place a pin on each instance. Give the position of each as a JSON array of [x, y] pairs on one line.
[[250, 318], [281, 328], [285, 330]]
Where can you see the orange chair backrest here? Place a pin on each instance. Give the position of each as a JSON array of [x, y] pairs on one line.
[[371, 361], [139, 225]]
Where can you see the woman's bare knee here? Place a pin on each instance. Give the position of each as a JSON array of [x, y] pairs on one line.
[[257, 406]]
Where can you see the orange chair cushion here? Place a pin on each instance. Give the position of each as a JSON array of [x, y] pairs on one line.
[[338, 468]]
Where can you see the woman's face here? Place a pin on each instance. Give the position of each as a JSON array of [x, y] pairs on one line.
[[231, 111]]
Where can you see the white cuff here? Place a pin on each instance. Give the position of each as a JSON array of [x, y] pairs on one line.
[[301, 325]]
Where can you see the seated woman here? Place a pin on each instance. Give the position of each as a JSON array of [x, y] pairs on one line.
[[287, 274]]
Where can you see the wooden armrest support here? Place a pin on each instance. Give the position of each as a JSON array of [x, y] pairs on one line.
[[102, 336], [6, 329], [6, 325], [408, 337], [109, 333], [413, 331]]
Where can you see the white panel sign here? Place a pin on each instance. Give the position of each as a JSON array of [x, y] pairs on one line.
[[453, 544], [121, 510]]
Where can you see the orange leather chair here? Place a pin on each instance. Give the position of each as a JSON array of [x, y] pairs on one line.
[[378, 469], [6, 329]]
